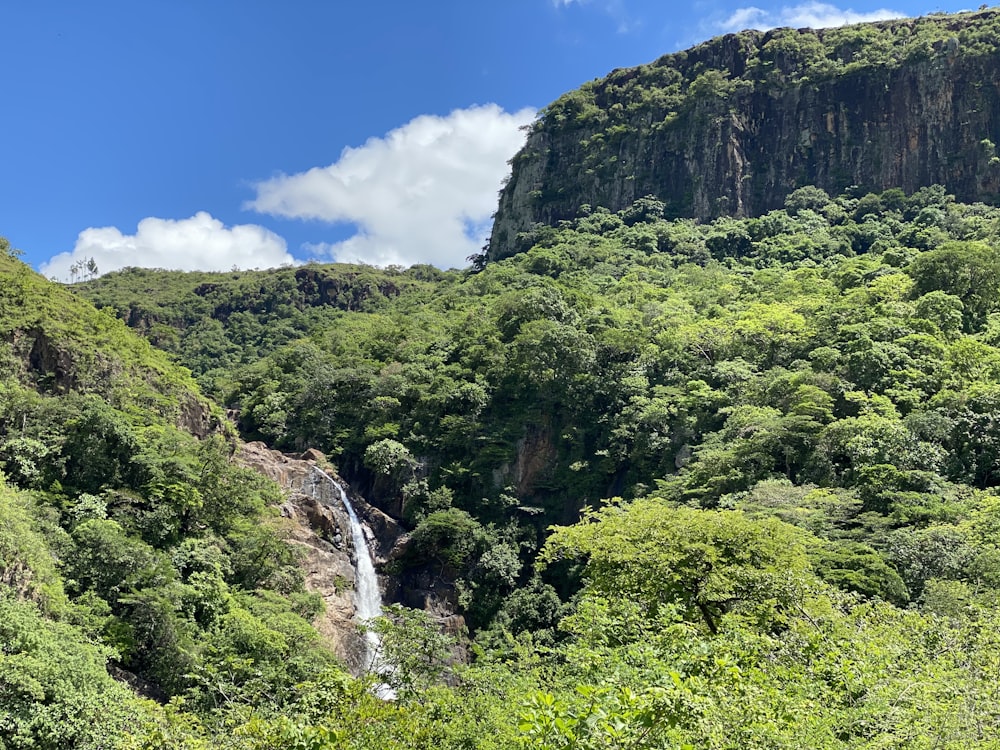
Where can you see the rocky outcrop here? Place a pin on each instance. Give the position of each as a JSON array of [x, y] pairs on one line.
[[58, 364], [47, 361], [731, 127], [534, 458], [321, 529], [196, 416]]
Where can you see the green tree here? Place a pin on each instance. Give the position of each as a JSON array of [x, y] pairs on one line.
[[55, 690], [709, 563], [100, 449], [416, 652], [969, 271]]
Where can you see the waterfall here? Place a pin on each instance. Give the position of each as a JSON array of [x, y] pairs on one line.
[[367, 596]]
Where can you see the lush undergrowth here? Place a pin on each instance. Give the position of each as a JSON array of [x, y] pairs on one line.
[[127, 545], [831, 363]]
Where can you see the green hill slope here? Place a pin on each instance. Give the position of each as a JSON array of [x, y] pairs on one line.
[[834, 344], [57, 343], [798, 414], [717, 481], [213, 322], [130, 541]]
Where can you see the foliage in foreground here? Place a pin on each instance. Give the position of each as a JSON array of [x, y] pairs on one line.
[[788, 662], [127, 545]]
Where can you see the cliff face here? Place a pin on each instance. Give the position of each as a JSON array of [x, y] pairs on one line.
[[320, 528], [732, 126]]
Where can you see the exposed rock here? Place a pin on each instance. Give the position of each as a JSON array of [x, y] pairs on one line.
[[196, 417], [140, 686], [427, 589], [427, 586], [273, 464], [348, 291], [47, 360], [311, 454], [534, 457], [321, 529], [386, 531]]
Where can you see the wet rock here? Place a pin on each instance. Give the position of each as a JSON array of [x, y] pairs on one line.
[[320, 527], [316, 529]]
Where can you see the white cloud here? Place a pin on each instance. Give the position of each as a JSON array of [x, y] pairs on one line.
[[424, 193], [201, 243], [814, 15]]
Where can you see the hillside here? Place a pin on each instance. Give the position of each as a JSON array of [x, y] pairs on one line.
[[138, 559], [57, 344], [627, 351], [796, 413], [675, 472], [734, 125], [214, 322]]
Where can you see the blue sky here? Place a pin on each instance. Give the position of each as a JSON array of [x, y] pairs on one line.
[[220, 133]]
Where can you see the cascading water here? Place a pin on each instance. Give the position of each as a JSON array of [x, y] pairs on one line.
[[367, 596]]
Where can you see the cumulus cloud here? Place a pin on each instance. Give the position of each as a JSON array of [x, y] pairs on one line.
[[814, 15], [200, 243], [424, 193]]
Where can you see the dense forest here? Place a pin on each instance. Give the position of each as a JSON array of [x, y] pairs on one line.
[[725, 483]]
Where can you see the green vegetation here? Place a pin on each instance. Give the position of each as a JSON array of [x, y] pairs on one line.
[[840, 351], [128, 546], [719, 484], [658, 91], [722, 485], [57, 344], [215, 322], [733, 125]]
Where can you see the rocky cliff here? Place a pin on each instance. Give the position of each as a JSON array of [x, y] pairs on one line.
[[732, 126], [320, 528]]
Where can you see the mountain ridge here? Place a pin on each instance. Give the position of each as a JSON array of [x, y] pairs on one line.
[[689, 483], [735, 124]]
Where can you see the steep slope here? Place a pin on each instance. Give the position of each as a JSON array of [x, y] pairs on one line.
[[799, 412], [734, 125], [775, 441], [216, 321], [56, 343], [626, 352], [132, 541], [320, 531]]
